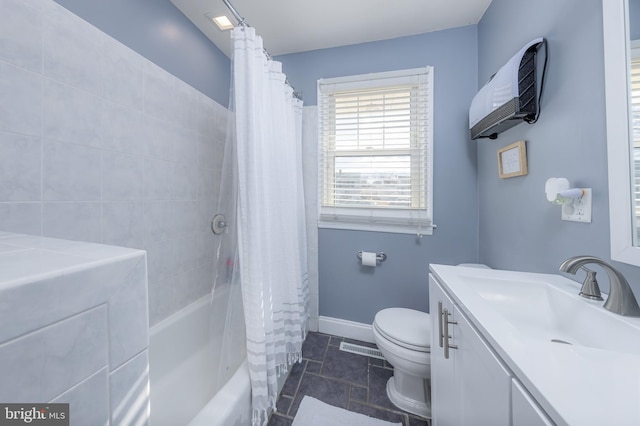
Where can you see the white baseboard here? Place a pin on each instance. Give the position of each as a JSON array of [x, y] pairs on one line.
[[313, 324], [345, 328]]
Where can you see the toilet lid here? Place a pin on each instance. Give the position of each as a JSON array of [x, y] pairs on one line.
[[406, 327]]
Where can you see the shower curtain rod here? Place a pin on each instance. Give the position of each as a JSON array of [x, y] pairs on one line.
[[241, 21], [235, 13]]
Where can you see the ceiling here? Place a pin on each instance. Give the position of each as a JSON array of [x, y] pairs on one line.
[[291, 26]]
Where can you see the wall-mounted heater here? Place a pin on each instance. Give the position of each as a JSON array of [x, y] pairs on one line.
[[511, 96]]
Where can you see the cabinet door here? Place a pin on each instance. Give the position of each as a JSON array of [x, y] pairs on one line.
[[445, 394], [525, 410], [485, 382]]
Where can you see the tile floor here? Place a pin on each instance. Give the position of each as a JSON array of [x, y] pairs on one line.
[[354, 382]]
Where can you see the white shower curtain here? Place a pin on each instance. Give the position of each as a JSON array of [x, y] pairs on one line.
[[270, 217]]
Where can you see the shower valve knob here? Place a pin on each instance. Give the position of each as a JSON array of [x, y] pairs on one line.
[[218, 224]]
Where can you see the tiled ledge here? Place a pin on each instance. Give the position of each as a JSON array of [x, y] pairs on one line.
[[74, 327]]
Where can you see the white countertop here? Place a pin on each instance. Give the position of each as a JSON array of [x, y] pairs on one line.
[[576, 385]]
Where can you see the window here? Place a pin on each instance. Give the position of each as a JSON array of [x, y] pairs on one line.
[[376, 140]]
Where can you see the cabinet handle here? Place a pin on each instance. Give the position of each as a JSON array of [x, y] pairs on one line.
[[440, 332], [447, 345]]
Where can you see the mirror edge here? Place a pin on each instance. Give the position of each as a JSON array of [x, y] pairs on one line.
[[617, 119]]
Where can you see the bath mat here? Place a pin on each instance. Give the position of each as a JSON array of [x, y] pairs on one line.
[[313, 412]]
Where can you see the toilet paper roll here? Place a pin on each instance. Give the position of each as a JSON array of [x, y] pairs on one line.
[[369, 259]]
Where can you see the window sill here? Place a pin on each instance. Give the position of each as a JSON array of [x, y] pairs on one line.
[[377, 227]]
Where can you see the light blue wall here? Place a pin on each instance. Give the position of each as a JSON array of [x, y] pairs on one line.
[[157, 30], [347, 290], [519, 229]]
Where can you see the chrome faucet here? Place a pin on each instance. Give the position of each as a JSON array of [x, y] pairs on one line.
[[621, 299]]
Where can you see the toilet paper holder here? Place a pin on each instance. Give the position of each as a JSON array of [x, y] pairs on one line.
[[380, 257]]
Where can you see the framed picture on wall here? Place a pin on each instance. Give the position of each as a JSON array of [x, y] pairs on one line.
[[512, 160]]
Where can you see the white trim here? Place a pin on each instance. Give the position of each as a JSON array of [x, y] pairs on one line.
[[346, 328], [364, 80], [615, 35], [313, 323], [394, 229]]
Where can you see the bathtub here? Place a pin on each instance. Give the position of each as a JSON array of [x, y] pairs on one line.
[[193, 381]]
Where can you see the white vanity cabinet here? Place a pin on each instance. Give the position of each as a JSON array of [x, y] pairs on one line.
[[469, 384], [525, 411], [529, 351]]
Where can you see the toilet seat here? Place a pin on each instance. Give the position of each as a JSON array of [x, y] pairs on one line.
[[407, 328]]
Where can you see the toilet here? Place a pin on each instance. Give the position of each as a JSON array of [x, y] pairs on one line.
[[404, 338]]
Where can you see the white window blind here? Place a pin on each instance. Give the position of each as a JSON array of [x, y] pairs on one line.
[[635, 100], [375, 136], [635, 130]]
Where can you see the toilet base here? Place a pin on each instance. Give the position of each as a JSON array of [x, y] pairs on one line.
[[419, 387]]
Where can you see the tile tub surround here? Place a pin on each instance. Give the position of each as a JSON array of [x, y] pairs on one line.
[[74, 328], [99, 144], [354, 382]]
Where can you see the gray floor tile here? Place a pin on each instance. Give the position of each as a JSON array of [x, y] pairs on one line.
[[291, 385], [283, 404], [342, 379], [377, 362], [378, 378], [313, 367], [359, 394], [345, 366], [314, 347], [361, 343], [326, 390], [416, 421], [335, 341]]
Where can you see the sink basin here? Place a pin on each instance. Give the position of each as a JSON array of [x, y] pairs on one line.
[[554, 313]]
